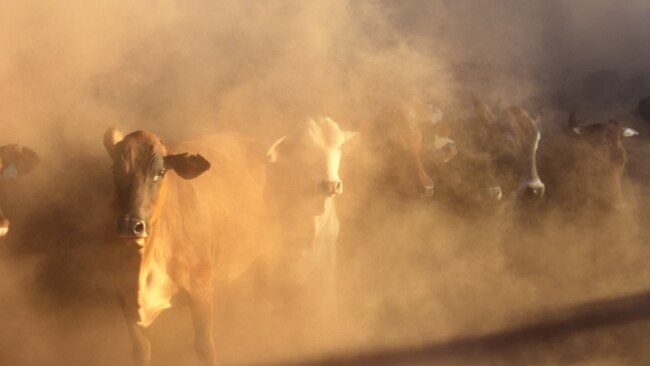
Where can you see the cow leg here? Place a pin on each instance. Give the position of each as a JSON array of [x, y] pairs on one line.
[[202, 315], [141, 345]]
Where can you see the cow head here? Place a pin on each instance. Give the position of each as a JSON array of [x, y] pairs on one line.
[[601, 155], [609, 134], [140, 165], [313, 155], [15, 161], [395, 141], [513, 142]]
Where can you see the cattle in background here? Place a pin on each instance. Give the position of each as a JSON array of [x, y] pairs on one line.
[[15, 161], [388, 161], [496, 156], [302, 183], [583, 164], [181, 225]]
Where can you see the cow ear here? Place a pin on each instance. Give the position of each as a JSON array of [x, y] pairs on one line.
[[351, 140], [187, 166], [483, 111], [281, 146], [111, 138], [629, 132], [17, 161]]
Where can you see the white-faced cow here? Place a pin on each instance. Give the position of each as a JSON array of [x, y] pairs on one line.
[[302, 182], [583, 164], [15, 161], [190, 224]]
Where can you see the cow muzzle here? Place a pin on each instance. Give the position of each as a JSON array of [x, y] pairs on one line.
[[491, 194], [533, 190], [132, 228], [332, 187], [427, 190]]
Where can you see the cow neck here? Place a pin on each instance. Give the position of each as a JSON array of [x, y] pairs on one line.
[[155, 287]]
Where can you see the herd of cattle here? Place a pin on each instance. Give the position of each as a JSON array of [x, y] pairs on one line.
[[187, 212]]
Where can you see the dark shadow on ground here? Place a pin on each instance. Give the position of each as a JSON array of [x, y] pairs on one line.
[[551, 326]]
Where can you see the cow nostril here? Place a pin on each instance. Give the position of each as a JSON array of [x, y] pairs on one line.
[[428, 190], [338, 185], [536, 192], [138, 228]]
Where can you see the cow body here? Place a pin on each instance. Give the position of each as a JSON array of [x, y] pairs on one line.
[[197, 230]]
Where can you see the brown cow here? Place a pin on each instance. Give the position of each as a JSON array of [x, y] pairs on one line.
[[189, 224], [584, 164], [388, 160], [496, 156], [15, 161]]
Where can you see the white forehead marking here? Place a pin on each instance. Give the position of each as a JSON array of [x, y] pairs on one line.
[[436, 116]]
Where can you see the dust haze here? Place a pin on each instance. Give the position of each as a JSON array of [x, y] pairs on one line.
[[421, 275]]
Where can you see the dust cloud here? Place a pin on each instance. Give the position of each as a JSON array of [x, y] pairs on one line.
[[413, 273]]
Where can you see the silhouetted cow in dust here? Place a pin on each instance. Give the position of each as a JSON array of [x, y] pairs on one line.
[[496, 156], [388, 159], [15, 161], [583, 164], [182, 225]]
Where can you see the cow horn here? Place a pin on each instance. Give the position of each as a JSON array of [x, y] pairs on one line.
[[483, 111], [497, 105], [573, 124], [273, 152], [111, 138]]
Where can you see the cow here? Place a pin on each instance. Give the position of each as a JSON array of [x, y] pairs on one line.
[[584, 164], [15, 161], [183, 224], [388, 161], [302, 183], [495, 157]]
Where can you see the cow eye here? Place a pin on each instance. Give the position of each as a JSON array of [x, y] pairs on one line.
[[159, 176]]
